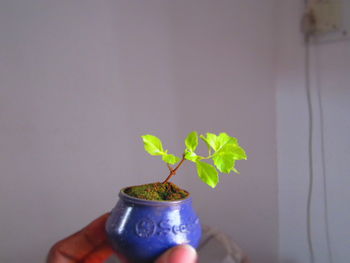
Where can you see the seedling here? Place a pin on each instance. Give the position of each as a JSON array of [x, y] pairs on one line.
[[151, 218], [223, 152]]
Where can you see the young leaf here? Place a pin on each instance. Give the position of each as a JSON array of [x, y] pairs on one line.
[[192, 141], [210, 140], [224, 139], [170, 158], [225, 162], [239, 152], [207, 173], [153, 145], [192, 156], [234, 149]]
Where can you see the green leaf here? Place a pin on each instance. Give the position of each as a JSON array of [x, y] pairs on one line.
[[192, 156], [225, 162], [224, 139], [192, 141], [239, 152], [228, 152], [153, 145], [170, 158], [207, 173], [217, 142], [234, 149], [210, 140]]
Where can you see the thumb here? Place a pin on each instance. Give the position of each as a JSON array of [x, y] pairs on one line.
[[179, 254]]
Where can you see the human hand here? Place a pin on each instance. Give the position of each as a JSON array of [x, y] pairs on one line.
[[90, 245], [179, 254]]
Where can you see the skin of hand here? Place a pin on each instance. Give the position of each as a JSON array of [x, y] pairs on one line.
[[90, 245]]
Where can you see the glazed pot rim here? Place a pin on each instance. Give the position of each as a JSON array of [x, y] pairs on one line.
[[139, 201]]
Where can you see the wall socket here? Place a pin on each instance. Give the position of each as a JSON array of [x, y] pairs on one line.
[[331, 19], [327, 15]]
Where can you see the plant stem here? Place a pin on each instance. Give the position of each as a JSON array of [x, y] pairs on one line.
[[173, 171]]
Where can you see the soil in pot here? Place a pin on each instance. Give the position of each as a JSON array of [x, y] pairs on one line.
[[157, 191]]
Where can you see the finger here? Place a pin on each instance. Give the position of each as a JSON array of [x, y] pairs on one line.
[[79, 245], [179, 254], [100, 255], [95, 232]]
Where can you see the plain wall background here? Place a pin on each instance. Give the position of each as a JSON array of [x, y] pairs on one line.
[[80, 81], [330, 78]]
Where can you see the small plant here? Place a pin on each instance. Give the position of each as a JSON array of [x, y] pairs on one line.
[[223, 151], [151, 218]]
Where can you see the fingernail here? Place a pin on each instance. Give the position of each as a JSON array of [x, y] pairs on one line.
[[182, 254]]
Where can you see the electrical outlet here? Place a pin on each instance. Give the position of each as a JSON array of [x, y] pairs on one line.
[[327, 15], [330, 20]]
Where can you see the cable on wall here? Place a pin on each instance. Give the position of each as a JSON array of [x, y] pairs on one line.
[[310, 152], [311, 158], [324, 173], [308, 26]]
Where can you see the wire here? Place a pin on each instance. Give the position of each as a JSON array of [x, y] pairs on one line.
[[308, 23], [310, 152], [311, 157], [324, 170]]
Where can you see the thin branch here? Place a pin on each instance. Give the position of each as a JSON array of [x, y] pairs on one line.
[[173, 171], [170, 168]]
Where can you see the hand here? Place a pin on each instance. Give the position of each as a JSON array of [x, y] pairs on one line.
[[90, 245], [179, 254]]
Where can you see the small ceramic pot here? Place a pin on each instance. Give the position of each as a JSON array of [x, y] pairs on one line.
[[141, 230]]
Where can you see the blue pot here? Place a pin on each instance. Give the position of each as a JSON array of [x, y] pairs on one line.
[[141, 230]]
